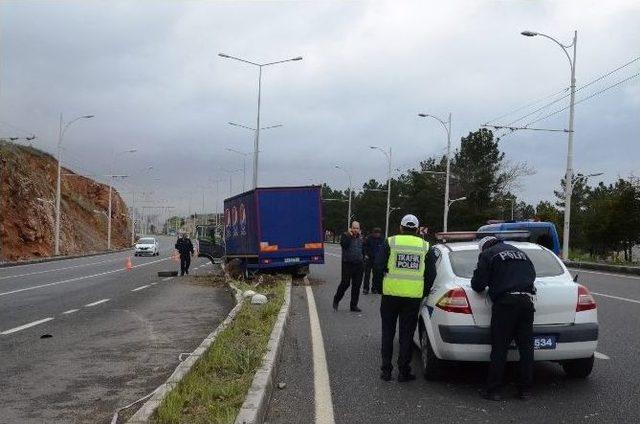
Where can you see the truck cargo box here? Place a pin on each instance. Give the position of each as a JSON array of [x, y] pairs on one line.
[[275, 227]]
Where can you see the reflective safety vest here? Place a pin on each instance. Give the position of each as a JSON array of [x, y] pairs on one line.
[[406, 266]]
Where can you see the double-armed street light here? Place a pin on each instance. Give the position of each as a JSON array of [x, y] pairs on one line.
[[256, 147], [447, 127], [111, 178], [63, 130], [568, 187]]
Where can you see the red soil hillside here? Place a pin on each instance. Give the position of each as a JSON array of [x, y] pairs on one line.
[[27, 208]]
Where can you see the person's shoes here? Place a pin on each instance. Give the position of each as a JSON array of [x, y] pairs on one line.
[[524, 395], [335, 305], [403, 377], [493, 396], [355, 309], [385, 375], [365, 291], [182, 274]]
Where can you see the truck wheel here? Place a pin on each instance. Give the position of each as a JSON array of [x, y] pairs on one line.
[[431, 365], [301, 271], [578, 368]]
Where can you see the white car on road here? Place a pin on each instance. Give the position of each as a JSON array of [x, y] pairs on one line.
[[455, 321], [147, 246]]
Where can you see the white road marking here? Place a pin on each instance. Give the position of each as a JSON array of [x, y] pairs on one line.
[[59, 269], [140, 288], [88, 305], [579, 270], [70, 311], [616, 297], [167, 279], [71, 280], [24, 327], [322, 388], [599, 355]]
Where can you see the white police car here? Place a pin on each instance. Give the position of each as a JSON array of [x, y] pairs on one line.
[[454, 322]]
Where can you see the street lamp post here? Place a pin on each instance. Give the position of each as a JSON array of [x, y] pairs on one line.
[[451, 202], [111, 177], [388, 156], [568, 187], [256, 146], [447, 128], [244, 165], [63, 129], [350, 195]]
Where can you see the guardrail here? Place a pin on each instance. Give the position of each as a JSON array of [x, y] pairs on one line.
[[619, 269]]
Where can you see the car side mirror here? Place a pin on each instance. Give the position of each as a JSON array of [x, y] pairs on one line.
[[575, 278]]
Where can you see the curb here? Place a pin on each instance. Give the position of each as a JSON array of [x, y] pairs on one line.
[[619, 269], [145, 412], [59, 258], [255, 405]]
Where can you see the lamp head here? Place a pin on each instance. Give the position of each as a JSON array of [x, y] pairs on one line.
[[529, 33]]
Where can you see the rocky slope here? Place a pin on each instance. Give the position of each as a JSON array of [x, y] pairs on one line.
[[27, 208]]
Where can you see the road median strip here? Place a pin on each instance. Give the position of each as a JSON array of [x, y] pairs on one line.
[[230, 374]]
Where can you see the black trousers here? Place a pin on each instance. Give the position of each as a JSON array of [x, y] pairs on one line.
[[368, 270], [351, 276], [185, 262], [405, 310], [512, 318]]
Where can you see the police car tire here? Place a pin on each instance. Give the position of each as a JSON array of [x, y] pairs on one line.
[[431, 365], [578, 368]]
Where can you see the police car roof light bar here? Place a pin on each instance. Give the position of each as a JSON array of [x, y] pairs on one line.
[[451, 236]]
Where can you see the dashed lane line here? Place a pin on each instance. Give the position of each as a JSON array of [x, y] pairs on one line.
[[322, 388], [616, 297], [71, 280], [167, 279], [25, 326], [141, 288], [59, 269], [599, 355], [98, 302], [70, 311]]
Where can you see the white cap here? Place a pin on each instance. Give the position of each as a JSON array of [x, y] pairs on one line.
[[484, 241], [409, 221]]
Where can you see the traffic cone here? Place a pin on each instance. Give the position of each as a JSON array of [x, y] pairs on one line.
[[128, 266]]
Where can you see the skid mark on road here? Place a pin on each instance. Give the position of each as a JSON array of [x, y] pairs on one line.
[[322, 388], [71, 280], [25, 326], [59, 269], [616, 297]]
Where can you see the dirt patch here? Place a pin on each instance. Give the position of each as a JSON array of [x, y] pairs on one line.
[[209, 280]]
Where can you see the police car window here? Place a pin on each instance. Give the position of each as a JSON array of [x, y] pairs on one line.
[[463, 262]]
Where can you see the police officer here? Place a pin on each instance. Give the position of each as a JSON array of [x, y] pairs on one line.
[[408, 267], [510, 276], [185, 248]]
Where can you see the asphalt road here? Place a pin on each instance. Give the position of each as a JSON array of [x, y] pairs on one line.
[[80, 338], [352, 344]]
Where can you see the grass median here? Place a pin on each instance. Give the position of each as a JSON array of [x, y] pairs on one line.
[[215, 388]]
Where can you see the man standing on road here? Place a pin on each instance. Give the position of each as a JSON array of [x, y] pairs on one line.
[[510, 276], [185, 249], [352, 266], [372, 247], [408, 266]]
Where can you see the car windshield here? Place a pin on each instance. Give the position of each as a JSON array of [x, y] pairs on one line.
[[146, 241], [463, 262]]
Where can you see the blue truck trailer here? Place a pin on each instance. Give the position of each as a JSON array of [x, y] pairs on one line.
[[275, 228]]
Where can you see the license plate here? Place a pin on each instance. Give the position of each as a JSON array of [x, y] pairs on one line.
[[289, 260], [544, 342]]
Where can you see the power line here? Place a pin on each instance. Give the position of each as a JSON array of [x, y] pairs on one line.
[[597, 93], [529, 104]]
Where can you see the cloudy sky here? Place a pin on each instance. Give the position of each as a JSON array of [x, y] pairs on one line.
[[150, 72]]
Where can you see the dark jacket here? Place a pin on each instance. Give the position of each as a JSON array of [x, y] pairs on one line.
[[382, 260], [373, 246], [504, 269], [184, 246], [352, 248]]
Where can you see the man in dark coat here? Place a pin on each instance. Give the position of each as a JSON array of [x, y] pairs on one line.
[[352, 266], [185, 249], [372, 247]]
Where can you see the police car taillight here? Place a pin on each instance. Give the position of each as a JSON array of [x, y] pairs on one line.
[[455, 300], [586, 301]]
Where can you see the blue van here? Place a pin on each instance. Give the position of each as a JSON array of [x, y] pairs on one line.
[[542, 233]]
